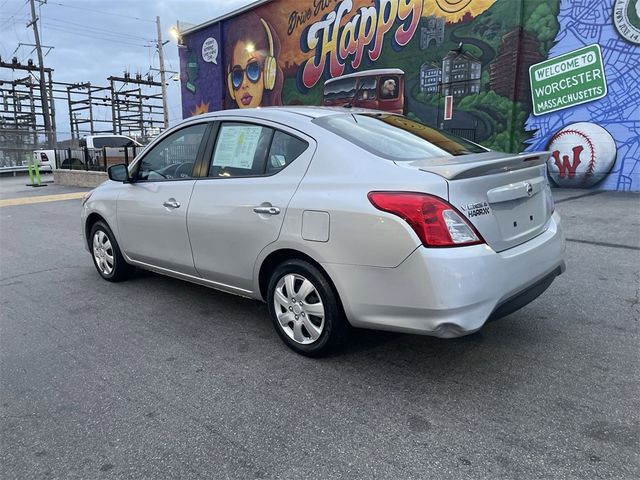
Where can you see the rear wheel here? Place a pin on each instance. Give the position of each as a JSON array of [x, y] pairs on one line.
[[106, 254], [304, 309]]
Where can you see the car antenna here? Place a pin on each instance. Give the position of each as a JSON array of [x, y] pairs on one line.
[[355, 94]]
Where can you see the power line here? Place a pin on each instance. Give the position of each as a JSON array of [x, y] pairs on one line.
[[94, 29], [83, 34], [101, 11], [14, 14]]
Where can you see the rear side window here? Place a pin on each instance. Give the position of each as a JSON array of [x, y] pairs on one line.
[[112, 142], [284, 150], [241, 150], [395, 137]]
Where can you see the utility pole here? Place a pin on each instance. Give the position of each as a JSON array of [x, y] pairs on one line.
[[162, 74], [43, 87]]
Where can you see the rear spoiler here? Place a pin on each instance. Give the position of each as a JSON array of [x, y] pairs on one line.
[[480, 164]]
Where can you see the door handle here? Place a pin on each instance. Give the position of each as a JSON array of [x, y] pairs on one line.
[[171, 203], [267, 210]]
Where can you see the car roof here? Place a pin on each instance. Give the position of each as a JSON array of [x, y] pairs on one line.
[[367, 73], [292, 112]]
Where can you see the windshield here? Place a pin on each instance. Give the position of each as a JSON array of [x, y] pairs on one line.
[[395, 137], [340, 89]]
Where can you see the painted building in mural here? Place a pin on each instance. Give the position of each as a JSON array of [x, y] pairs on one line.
[[557, 75]]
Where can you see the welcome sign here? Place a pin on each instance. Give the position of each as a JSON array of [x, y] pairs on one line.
[[571, 79]]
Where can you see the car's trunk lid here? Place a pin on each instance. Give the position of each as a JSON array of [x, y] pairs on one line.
[[506, 197]]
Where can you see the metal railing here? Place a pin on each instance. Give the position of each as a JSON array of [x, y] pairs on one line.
[[468, 133], [94, 159]]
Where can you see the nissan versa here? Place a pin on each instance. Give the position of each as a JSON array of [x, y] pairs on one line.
[[335, 217]]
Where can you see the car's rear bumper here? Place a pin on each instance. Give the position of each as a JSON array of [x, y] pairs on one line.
[[450, 292]]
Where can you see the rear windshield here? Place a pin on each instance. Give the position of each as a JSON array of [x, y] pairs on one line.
[[395, 137]]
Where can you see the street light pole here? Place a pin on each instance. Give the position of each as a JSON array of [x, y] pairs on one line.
[[165, 109]]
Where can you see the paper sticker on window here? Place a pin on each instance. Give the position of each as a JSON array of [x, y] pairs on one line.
[[236, 146]]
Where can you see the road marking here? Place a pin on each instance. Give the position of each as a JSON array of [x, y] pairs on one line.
[[41, 199], [603, 244]]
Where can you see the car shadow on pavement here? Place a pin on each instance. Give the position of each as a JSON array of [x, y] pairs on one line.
[[494, 341]]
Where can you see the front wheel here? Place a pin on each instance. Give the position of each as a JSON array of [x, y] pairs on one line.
[[304, 309], [106, 254]]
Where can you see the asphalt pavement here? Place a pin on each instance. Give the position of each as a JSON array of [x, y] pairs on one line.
[[156, 378]]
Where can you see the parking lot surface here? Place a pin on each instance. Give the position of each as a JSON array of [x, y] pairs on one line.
[[156, 378]]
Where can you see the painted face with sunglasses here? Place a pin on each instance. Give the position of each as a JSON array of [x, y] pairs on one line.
[[247, 75]]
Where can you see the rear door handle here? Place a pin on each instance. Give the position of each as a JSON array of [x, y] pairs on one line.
[[267, 210], [171, 203]]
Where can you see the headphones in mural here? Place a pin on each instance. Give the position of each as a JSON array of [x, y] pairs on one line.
[[269, 68]]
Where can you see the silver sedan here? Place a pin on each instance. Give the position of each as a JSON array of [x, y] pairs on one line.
[[336, 218]]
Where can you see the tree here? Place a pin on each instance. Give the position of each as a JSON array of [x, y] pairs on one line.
[[543, 24]]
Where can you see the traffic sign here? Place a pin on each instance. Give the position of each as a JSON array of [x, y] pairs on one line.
[[568, 80]]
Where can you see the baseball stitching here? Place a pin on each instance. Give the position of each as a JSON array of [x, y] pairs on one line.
[[592, 162]]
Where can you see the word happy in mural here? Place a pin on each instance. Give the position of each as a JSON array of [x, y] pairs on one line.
[[363, 32]]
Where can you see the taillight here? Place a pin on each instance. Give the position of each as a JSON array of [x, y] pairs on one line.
[[436, 222], [43, 157]]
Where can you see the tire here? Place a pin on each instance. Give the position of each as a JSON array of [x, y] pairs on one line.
[[106, 254], [309, 318]]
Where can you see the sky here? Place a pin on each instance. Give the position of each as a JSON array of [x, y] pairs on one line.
[[95, 39]]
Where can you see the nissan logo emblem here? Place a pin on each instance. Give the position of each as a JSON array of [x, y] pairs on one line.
[[529, 189]]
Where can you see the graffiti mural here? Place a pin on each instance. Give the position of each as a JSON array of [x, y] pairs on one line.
[[252, 48], [615, 137], [409, 55], [202, 85]]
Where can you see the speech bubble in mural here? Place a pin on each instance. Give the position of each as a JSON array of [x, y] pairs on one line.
[[582, 154], [210, 50]]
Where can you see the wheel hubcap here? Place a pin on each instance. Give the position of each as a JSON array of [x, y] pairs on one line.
[[103, 252], [299, 309]]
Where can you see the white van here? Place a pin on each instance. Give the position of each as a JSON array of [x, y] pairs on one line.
[[46, 159]]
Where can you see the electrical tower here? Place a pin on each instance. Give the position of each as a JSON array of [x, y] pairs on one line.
[[22, 111], [136, 114], [43, 87]]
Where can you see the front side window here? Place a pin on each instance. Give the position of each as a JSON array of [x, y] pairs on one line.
[[389, 87], [241, 150], [174, 157], [396, 137]]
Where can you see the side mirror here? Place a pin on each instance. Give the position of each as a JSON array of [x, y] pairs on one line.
[[118, 173]]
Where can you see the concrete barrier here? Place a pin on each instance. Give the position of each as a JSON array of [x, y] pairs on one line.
[[78, 178]]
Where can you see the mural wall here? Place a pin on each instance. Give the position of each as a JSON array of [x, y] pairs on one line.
[[557, 75]]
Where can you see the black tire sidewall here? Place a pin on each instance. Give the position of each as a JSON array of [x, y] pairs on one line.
[[333, 320], [120, 267]]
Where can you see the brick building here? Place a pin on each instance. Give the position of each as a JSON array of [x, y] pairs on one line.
[[509, 72]]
